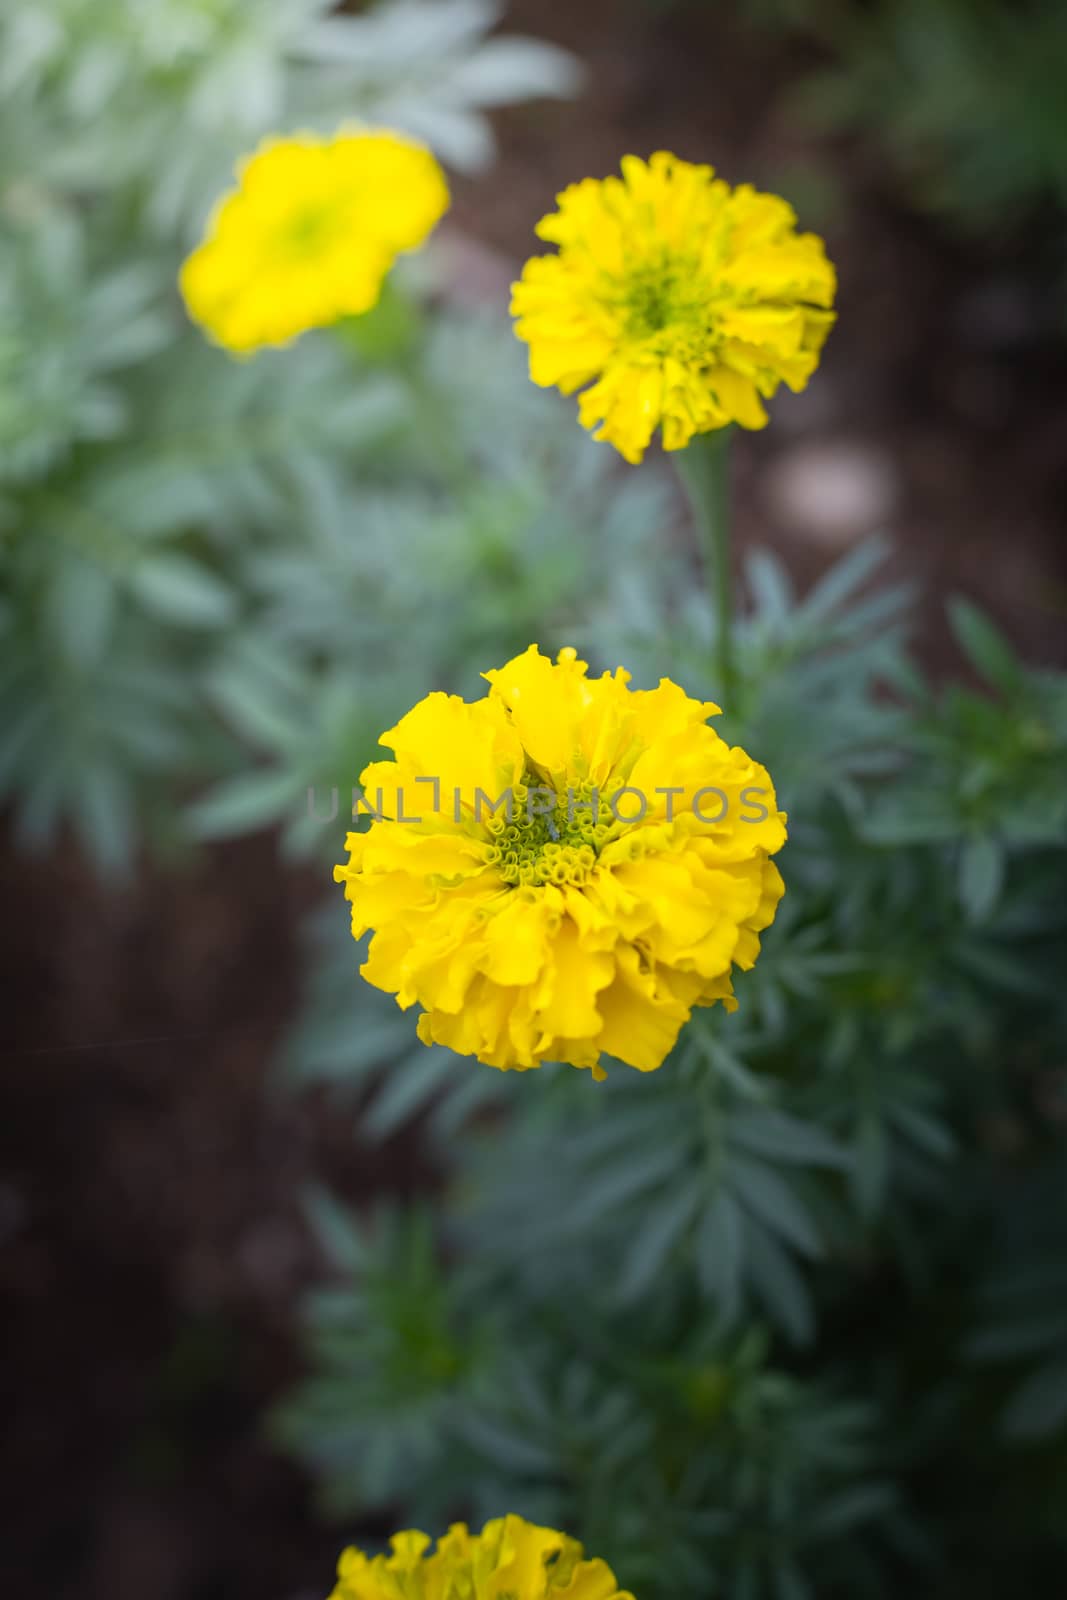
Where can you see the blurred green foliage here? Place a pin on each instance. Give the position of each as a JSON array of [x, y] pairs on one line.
[[774, 1319], [965, 97], [190, 543]]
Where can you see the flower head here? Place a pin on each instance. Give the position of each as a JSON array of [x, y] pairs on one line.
[[509, 1558], [309, 234], [563, 868], [679, 300]]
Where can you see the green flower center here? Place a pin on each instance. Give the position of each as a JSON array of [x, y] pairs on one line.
[[308, 231], [666, 304], [539, 845]]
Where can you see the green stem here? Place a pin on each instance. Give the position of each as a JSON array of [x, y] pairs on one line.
[[704, 468]]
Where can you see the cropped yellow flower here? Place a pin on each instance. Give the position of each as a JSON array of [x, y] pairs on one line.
[[684, 299], [509, 1560], [563, 868], [309, 234]]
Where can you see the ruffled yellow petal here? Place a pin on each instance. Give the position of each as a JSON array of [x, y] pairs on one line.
[[570, 998], [452, 762], [642, 1014], [567, 723]]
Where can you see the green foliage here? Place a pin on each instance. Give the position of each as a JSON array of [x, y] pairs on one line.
[[964, 95], [452, 1390], [194, 549], [968, 96], [729, 1318], [145, 104], [1023, 1304]]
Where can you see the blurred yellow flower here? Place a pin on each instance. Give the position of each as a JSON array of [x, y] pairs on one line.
[[309, 234], [684, 299], [563, 868], [509, 1560]]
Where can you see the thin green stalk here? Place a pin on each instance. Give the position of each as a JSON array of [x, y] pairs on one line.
[[704, 468]]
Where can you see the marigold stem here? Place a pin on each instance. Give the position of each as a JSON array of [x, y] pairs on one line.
[[704, 468]]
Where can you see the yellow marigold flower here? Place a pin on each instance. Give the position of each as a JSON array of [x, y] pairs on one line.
[[309, 234], [684, 299], [509, 1560], [563, 868]]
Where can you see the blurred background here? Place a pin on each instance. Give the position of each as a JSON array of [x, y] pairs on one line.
[[222, 580]]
